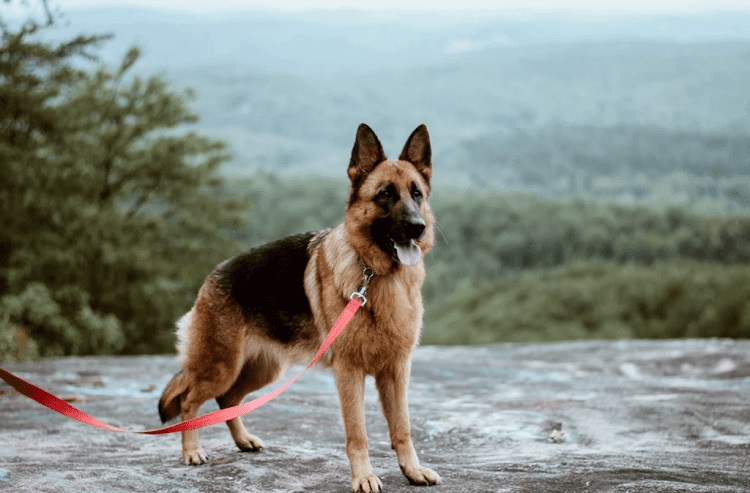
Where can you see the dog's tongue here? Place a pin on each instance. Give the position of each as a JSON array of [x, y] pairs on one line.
[[408, 253]]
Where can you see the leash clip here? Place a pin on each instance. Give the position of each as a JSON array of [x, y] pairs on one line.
[[367, 274]]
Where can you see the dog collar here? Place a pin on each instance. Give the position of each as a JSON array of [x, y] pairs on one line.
[[367, 274]]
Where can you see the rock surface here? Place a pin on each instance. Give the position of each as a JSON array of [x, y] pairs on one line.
[[626, 416]]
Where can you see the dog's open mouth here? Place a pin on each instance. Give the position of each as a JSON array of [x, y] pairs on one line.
[[408, 253]]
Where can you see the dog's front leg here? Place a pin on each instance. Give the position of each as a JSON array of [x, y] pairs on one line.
[[350, 382], [392, 384]]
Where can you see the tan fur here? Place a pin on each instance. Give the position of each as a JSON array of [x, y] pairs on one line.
[[225, 356]]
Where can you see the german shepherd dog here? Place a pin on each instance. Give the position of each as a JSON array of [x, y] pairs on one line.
[[270, 307]]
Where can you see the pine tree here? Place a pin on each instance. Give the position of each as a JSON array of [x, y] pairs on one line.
[[112, 208]]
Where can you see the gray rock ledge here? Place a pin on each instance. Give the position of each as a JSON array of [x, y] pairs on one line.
[[623, 416]]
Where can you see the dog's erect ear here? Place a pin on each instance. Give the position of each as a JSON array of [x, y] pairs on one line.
[[366, 154], [418, 151]]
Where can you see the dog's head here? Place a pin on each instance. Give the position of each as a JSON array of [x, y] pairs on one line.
[[388, 218]]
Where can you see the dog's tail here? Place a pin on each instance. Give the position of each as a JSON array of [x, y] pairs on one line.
[[169, 404]]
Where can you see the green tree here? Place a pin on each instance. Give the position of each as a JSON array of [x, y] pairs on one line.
[[32, 75], [114, 208]]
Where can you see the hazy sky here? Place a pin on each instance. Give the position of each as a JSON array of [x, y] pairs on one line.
[[604, 6]]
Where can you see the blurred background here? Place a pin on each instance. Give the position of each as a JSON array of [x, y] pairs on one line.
[[591, 162]]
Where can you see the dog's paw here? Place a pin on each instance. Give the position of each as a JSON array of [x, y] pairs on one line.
[[422, 476], [249, 443], [368, 484], [194, 457]]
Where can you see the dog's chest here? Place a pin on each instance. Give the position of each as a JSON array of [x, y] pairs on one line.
[[386, 329]]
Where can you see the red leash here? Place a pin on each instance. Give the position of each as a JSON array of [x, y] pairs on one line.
[[58, 405]]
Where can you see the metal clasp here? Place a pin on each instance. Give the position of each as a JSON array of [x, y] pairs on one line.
[[367, 274]]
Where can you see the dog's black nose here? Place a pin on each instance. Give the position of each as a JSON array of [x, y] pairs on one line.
[[414, 229]]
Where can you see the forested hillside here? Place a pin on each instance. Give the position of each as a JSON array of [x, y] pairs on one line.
[[498, 115]]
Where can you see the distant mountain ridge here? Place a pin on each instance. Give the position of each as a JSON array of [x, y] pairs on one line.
[[287, 90], [351, 40]]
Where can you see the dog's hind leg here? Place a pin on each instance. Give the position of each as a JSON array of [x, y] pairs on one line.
[[217, 380], [212, 355], [257, 372], [190, 403], [214, 378]]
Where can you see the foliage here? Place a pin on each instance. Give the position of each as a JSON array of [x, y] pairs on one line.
[[482, 236], [488, 234], [281, 207], [599, 300], [66, 325], [113, 210], [15, 344]]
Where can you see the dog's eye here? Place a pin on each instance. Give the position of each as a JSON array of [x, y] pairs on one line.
[[387, 193], [416, 193]]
